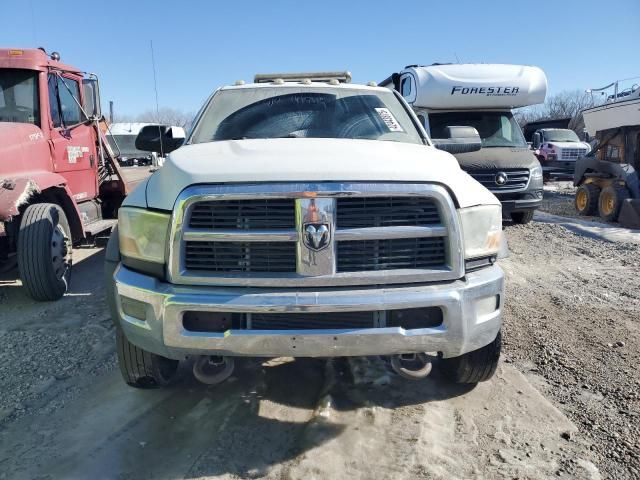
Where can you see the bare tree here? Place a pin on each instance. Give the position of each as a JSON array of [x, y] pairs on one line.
[[167, 116], [567, 104]]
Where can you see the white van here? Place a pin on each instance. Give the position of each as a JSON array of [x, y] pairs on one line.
[[482, 96]]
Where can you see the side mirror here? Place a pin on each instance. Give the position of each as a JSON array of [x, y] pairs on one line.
[[459, 140], [162, 139], [537, 140], [91, 98]]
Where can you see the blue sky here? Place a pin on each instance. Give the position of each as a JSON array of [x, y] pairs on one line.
[[200, 45]]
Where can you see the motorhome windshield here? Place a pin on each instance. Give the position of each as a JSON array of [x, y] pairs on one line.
[[19, 96], [559, 136], [496, 129], [305, 112]]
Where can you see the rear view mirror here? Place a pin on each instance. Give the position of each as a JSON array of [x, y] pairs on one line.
[[91, 98], [537, 140], [162, 139], [459, 140]]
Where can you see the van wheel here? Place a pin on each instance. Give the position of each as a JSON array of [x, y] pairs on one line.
[[44, 251], [610, 201], [586, 200], [522, 218], [142, 369], [473, 367]]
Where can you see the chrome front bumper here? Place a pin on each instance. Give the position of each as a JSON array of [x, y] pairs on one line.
[[468, 324]]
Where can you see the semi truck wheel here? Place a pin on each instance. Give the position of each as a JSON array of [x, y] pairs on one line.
[[473, 367], [522, 218], [610, 201], [142, 369], [586, 200], [44, 251]]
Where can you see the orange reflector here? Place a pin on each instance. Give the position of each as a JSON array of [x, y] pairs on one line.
[[15, 53]]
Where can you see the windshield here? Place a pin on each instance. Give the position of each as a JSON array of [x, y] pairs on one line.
[[496, 129], [19, 96], [560, 136], [305, 112], [126, 144]]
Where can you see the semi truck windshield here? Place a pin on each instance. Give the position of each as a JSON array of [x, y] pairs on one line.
[[19, 96], [496, 129]]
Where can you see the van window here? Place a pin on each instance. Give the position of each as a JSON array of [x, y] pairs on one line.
[[405, 87], [496, 129]]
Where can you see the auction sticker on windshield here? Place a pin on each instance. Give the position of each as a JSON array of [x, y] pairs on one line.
[[389, 120]]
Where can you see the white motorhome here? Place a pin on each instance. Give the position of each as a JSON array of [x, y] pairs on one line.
[[482, 96]]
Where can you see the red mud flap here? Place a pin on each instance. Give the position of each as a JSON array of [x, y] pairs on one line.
[[629, 216]]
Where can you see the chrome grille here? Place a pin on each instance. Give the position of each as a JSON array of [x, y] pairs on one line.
[[237, 257], [368, 255], [573, 153], [386, 212], [269, 235], [517, 179], [244, 214]]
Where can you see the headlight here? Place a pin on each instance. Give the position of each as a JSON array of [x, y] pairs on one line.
[[143, 238], [536, 172], [481, 230]]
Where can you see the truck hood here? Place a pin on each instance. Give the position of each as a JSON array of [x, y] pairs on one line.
[[309, 160], [570, 145], [492, 158]]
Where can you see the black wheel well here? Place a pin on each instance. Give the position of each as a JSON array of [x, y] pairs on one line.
[[58, 195]]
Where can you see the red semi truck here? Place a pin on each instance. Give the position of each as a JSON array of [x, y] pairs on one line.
[[59, 182]]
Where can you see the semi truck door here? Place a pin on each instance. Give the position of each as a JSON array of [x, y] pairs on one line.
[[74, 149]]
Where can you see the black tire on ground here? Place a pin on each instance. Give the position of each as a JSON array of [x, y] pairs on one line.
[[473, 367], [522, 218], [610, 201], [586, 200], [44, 251], [142, 369]]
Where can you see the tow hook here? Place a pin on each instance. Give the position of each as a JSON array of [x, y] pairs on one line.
[[213, 369], [415, 366]]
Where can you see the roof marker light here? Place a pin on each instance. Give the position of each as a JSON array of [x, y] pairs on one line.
[[239, 82], [372, 84]]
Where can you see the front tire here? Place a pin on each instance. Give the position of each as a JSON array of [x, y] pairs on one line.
[[522, 218], [142, 369], [473, 367], [610, 200], [44, 251]]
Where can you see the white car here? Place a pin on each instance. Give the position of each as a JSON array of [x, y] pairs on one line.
[[307, 216]]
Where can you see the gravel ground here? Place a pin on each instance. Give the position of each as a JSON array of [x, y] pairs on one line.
[[572, 324], [571, 338]]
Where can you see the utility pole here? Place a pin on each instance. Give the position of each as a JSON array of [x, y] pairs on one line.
[[110, 111]]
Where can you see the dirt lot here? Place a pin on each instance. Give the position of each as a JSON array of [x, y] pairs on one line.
[[565, 401]]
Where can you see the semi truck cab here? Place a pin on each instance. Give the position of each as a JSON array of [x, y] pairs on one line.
[[482, 96]]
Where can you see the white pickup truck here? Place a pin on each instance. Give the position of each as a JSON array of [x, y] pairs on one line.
[[306, 216]]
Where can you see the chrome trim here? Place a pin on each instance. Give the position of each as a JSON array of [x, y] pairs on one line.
[[379, 233], [310, 261], [305, 277], [195, 235]]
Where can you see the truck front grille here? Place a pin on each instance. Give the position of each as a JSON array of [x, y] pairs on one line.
[[280, 235], [238, 257], [386, 212], [371, 255], [516, 179], [220, 322], [244, 214], [573, 153]]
